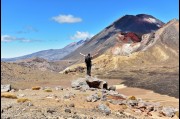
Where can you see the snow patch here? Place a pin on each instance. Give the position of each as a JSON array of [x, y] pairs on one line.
[[158, 25], [150, 20]]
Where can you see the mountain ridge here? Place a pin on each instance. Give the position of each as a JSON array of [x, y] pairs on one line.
[[51, 54]]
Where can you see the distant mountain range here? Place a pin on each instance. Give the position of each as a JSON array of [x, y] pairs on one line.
[[51, 54]]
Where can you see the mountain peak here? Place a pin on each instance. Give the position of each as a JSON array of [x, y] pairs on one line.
[[140, 23], [144, 15]]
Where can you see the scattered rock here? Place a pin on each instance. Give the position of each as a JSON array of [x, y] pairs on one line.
[[57, 99], [142, 104], [21, 95], [93, 98], [132, 103], [29, 104], [5, 88], [67, 110], [52, 96], [149, 114], [150, 108], [104, 97], [168, 111], [118, 102], [68, 95], [58, 88], [115, 95], [138, 111], [8, 107], [50, 110], [105, 109], [72, 105]]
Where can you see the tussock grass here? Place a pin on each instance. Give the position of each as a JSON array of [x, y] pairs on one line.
[[132, 98], [177, 114], [85, 94], [9, 95], [107, 104], [124, 106], [36, 88], [48, 90], [22, 100]]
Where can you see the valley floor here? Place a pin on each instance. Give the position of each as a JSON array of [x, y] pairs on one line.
[[82, 108]]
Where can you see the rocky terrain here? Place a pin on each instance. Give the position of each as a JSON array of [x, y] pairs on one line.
[[94, 102], [43, 65], [22, 77]]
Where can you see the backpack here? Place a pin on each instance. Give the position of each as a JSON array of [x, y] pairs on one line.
[[88, 60]]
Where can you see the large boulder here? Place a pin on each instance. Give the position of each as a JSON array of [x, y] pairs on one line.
[[89, 82], [79, 83], [96, 83]]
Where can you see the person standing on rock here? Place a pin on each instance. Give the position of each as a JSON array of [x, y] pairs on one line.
[[88, 59]]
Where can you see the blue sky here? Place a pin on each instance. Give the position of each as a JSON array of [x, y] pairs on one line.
[[29, 26]]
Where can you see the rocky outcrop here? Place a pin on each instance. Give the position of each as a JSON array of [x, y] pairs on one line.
[[89, 82]]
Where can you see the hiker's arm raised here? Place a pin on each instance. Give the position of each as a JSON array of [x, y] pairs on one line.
[[82, 54]]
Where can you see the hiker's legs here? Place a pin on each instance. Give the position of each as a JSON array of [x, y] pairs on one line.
[[88, 70]]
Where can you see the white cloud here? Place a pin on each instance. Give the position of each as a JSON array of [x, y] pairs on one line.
[[8, 38], [66, 19], [81, 35]]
